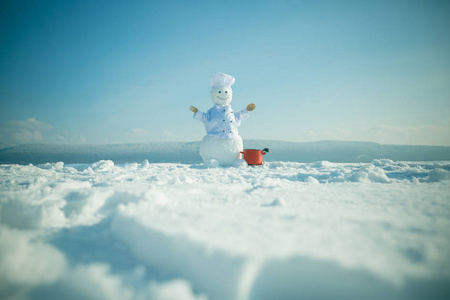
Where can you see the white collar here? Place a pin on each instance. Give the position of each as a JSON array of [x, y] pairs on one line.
[[217, 106]]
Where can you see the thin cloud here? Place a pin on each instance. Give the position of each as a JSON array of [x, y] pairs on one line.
[[32, 131], [421, 134], [23, 132]]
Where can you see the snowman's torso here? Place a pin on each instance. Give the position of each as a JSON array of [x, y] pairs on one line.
[[221, 121]]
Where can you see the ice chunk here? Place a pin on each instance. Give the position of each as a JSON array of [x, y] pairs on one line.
[[103, 165], [322, 164]]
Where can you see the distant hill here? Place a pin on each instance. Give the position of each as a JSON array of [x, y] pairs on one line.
[[173, 152]]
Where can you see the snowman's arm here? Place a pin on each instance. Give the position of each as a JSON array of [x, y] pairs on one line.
[[241, 115], [200, 116]]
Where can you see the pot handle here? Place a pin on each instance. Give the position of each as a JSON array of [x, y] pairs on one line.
[[265, 151]]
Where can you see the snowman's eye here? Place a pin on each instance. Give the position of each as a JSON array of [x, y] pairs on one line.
[[220, 92], [226, 92]]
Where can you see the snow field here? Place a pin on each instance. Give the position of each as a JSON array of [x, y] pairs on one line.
[[284, 230]]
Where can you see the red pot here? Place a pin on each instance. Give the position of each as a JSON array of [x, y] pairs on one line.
[[253, 156]]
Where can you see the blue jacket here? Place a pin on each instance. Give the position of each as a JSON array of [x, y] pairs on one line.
[[221, 121]]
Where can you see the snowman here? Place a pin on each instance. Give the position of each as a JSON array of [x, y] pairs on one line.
[[222, 145]]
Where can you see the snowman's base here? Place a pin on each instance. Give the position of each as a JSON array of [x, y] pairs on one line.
[[225, 151], [212, 163], [240, 163]]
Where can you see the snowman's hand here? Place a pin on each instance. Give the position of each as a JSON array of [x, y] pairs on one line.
[[193, 109], [251, 107]]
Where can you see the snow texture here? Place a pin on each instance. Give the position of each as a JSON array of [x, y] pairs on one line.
[[284, 230]]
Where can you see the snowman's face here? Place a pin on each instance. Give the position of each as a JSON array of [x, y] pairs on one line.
[[221, 95]]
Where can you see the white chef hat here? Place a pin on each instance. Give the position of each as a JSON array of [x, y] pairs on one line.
[[221, 80]]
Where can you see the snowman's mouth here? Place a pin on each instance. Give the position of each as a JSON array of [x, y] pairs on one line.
[[222, 98]]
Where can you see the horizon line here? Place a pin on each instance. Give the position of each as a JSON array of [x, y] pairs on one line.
[[197, 141]]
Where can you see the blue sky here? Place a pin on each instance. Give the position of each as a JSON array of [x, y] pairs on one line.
[[127, 71]]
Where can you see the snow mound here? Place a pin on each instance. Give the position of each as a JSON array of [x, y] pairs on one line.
[[438, 174], [283, 230], [278, 201], [26, 262], [379, 171]]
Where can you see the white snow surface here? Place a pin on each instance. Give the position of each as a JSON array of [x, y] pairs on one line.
[[284, 230]]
